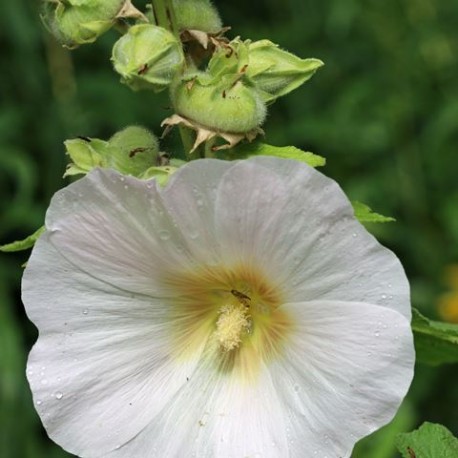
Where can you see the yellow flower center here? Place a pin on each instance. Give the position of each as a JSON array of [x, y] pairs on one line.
[[233, 315]]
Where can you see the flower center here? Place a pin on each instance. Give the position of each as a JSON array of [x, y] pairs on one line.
[[234, 322], [232, 313]]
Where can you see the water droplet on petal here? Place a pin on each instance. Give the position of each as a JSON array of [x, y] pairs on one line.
[[383, 296], [38, 403], [164, 235], [59, 395], [354, 234], [377, 333], [85, 311]]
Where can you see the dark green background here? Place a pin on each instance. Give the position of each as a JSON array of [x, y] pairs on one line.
[[384, 112]]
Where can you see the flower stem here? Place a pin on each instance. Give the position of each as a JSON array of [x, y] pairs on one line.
[[164, 15]]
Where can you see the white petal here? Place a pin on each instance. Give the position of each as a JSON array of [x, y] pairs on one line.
[[249, 206], [300, 227], [102, 367], [344, 374], [215, 416], [190, 200], [117, 229]]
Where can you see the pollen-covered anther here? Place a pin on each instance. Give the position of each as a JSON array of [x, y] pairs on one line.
[[233, 324]]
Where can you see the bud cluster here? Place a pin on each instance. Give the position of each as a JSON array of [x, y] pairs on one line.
[[220, 89]]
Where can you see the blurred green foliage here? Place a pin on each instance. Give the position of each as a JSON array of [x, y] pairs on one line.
[[384, 112]]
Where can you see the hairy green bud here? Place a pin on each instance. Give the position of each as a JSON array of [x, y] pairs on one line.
[[134, 150], [77, 22], [147, 57], [197, 15], [131, 151], [222, 105], [276, 72]]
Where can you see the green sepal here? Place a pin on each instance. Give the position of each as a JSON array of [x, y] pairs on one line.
[[147, 57], [435, 342], [277, 72], [25, 244], [230, 60], [85, 154], [364, 214], [429, 441], [161, 174], [285, 152]]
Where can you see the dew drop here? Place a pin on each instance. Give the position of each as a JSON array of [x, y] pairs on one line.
[[122, 179], [354, 235], [59, 395], [164, 235], [377, 333], [383, 296], [199, 202], [126, 186], [38, 403], [85, 311]]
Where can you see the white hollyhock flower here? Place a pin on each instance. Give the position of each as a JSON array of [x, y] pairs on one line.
[[241, 311]]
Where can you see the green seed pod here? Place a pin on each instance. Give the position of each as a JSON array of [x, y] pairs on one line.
[[197, 15], [133, 150], [276, 72], [76, 22], [225, 106], [147, 57]]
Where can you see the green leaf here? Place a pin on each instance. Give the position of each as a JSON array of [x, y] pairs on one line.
[[21, 245], [435, 342], [364, 214], [429, 441], [285, 152]]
